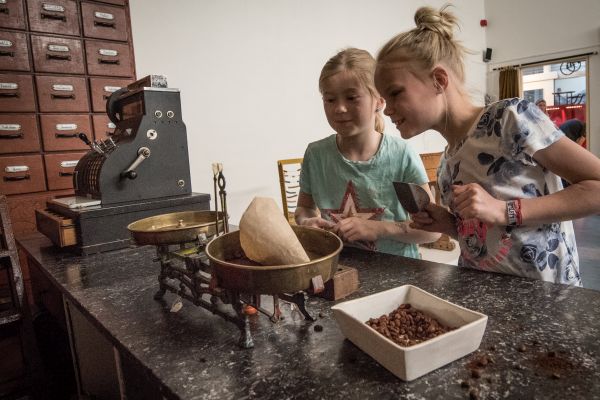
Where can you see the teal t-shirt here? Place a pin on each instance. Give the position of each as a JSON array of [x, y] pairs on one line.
[[340, 187]]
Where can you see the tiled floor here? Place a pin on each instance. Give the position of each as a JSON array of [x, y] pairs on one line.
[[587, 234]]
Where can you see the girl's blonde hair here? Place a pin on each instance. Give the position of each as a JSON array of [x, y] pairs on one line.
[[430, 43], [362, 65]]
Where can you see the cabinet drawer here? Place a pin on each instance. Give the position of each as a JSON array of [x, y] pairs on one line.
[[14, 54], [51, 54], [103, 126], [16, 93], [12, 14], [108, 58], [21, 209], [59, 132], [62, 94], [22, 174], [19, 133], [59, 229], [60, 168], [104, 22], [54, 16], [102, 89]]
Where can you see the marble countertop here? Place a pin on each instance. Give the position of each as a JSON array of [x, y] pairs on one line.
[[543, 338]]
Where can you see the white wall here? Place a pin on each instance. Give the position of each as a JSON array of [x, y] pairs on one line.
[[529, 31], [248, 74]]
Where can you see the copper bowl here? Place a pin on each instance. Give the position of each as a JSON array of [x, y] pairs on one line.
[[227, 259]]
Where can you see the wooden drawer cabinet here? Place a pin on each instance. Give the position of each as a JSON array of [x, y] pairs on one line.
[[60, 168], [62, 93], [59, 55], [59, 132], [54, 16], [59, 62], [102, 88], [104, 22], [103, 126], [12, 14], [108, 58], [16, 93], [14, 51], [19, 133], [21, 174]]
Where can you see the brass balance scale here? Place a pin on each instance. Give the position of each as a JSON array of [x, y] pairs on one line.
[[202, 262]]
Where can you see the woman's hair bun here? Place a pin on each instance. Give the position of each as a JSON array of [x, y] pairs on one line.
[[439, 21]]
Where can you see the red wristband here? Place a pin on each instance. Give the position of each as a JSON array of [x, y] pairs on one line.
[[513, 212]]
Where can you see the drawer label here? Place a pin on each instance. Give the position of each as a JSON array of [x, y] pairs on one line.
[[8, 85], [108, 52], [16, 168], [5, 43], [2, 1], [10, 127], [111, 89], [111, 125], [69, 164], [58, 47], [104, 15], [66, 127], [63, 88], [53, 7]]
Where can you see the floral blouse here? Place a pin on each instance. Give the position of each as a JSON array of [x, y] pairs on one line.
[[498, 154]]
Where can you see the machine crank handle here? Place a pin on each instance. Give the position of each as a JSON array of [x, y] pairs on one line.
[[143, 153], [87, 141]]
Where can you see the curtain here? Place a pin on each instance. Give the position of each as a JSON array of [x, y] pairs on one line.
[[509, 83]]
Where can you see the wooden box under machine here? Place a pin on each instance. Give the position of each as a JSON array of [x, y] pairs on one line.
[[140, 171]]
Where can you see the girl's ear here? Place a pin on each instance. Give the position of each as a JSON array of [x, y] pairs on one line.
[[440, 78], [379, 104]]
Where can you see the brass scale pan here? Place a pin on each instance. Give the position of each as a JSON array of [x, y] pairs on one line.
[[227, 256]]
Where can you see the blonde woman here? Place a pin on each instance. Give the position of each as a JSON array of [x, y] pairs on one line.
[[346, 178], [500, 173]]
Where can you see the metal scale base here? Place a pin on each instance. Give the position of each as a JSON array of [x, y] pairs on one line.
[[186, 272]]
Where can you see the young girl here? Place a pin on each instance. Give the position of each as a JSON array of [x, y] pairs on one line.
[[346, 178], [500, 173]]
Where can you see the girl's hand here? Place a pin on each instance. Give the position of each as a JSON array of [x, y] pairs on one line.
[[472, 201], [318, 222], [353, 229], [434, 219]]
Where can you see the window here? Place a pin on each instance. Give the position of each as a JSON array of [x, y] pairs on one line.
[[562, 84]]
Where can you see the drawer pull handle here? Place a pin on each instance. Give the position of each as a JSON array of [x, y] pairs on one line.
[[114, 62], [62, 96], [105, 24], [16, 178], [4, 10], [11, 135], [53, 16], [65, 135], [58, 57], [9, 94], [7, 53], [65, 173]]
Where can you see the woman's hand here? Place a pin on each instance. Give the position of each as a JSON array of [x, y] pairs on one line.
[[434, 219], [473, 201], [353, 229]]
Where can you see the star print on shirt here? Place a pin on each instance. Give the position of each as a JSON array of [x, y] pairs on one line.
[[350, 207]]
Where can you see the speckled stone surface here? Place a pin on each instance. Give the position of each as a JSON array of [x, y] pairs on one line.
[[194, 354]]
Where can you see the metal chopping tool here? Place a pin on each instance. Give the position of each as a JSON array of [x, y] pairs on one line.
[[411, 196]]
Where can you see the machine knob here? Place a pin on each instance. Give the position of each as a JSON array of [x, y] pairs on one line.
[[130, 174]]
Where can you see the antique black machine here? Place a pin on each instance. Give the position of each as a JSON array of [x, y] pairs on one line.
[[140, 171]]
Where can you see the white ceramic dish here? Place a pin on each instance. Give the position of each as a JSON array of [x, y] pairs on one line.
[[409, 363]]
